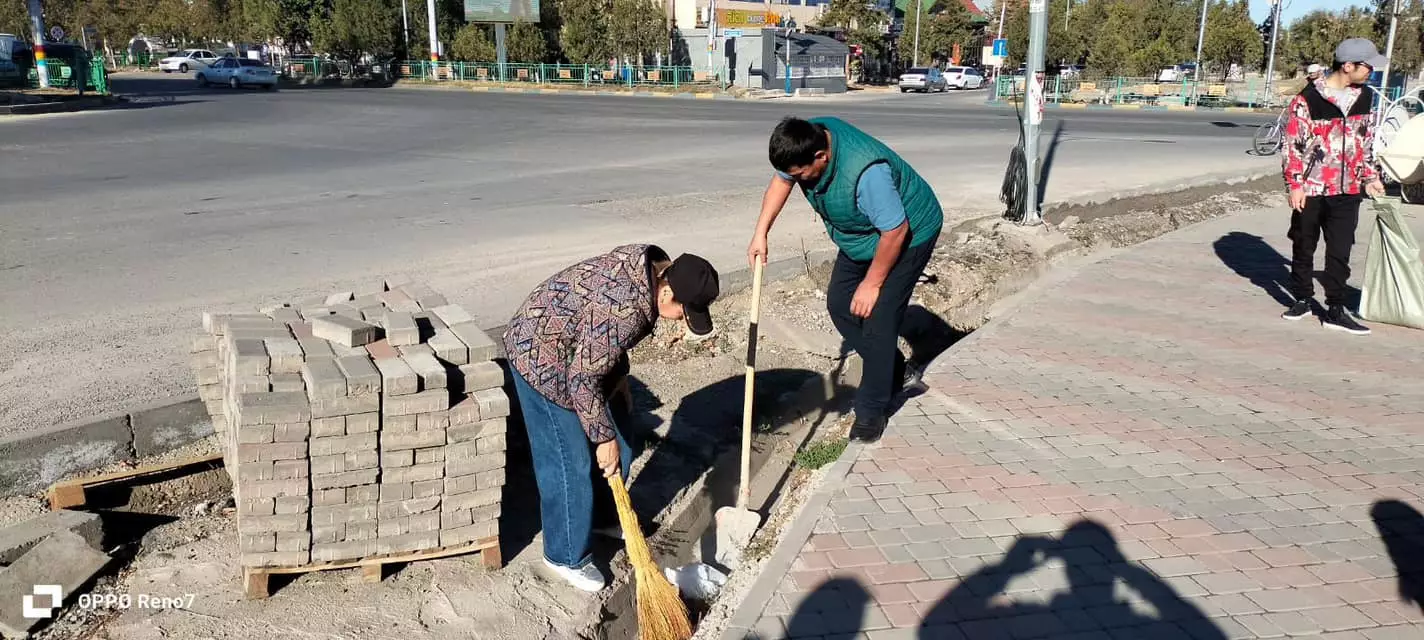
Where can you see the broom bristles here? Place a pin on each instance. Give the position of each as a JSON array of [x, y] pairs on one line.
[[661, 612]]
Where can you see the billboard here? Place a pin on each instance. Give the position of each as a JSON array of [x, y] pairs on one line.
[[501, 10]]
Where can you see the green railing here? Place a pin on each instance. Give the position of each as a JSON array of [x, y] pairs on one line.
[[83, 73], [140, 60], [552, 74]]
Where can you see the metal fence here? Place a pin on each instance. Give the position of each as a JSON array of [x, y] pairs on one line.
[[1152, 92], [141, 60], [82, 73]]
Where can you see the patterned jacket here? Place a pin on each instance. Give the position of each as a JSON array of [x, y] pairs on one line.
[[1329, 152], [570, 338]]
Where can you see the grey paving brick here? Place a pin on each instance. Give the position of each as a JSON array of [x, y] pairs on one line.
[[400, 328], [482, 375], [424, 402], [448, 348], [342, 330], [481, 346]]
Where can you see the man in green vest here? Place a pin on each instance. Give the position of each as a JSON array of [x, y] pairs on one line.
[[885, 219]]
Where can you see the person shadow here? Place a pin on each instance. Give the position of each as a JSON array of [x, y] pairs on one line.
[[1252, 258], [1094, 566], [979, 607], [1401, 527]]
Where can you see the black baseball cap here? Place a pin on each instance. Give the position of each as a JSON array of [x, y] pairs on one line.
[[695, 285]]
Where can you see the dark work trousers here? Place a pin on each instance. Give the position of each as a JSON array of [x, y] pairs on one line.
[[876, 338], [1337, 217]]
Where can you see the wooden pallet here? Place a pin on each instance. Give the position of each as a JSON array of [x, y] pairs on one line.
[[255, 579], [70, 493]]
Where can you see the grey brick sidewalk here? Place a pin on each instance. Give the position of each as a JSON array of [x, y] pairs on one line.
[[1145, 450]]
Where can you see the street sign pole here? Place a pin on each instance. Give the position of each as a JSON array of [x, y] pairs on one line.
[[37, 25], [919, 14], [1201, 38], [434, 42], [1275, 34], [1038, 36], [1389, 49]]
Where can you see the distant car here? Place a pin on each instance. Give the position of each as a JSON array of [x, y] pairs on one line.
[[188, 60], [923, 79], [963, 77], [1070, 71], [238, 72]]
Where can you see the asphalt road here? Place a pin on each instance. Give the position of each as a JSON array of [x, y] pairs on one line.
[[118, 228]]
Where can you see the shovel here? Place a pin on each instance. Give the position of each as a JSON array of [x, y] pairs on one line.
[[736, 525]]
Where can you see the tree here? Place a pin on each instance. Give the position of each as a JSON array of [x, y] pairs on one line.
[[1231, 36], [525, 43], [471, 44], [15, 18], [861, 22], [636, 29], [1406, 57], [1112, 47], [943, 27], [584, 35], [357, 27]]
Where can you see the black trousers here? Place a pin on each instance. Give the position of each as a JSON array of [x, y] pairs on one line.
[[1336, 217], [877, 338]]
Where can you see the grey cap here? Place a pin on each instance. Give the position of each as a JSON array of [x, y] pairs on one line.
[[1360, 50]]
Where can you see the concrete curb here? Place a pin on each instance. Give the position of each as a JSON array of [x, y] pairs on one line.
[[66, 106], [1079, 106], [31, 462], [742, 625], [590, 91]]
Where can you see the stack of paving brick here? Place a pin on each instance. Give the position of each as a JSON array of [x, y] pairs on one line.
[[356, 425]]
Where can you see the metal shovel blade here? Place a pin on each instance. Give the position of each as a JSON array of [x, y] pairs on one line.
[[735, 528]]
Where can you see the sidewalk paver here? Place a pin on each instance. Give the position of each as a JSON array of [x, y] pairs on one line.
[[1144, 451]]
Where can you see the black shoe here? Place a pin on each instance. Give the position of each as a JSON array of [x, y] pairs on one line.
[[1299, 310], [914, 382], [868, 429], [1340, 320]]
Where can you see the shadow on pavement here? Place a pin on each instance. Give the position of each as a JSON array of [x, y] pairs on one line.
[[1046, 167], [1252, 258], [1401, 527], [979, 607]]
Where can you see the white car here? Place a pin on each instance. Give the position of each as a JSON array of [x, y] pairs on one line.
[[189, 60], [923, 79], [963, 77], [238, 72]]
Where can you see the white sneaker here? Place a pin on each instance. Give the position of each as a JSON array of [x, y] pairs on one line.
[[589, 578]]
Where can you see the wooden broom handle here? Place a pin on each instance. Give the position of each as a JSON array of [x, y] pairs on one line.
[[744, 492]]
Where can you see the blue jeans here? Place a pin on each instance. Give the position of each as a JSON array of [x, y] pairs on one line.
[[573, 494]]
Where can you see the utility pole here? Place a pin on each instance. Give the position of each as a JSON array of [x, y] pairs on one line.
[[1037, 40], [1067, 14], [919, 14], [711, 36], [37, 25], [1275, 33], [1389, 49], [434, 42], [1201, 38]]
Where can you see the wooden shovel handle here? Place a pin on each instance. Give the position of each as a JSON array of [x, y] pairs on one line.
[[745, 489]]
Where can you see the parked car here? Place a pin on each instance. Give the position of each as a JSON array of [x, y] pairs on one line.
[[963, 77], [237, 72], [923, 79], [188, 60]]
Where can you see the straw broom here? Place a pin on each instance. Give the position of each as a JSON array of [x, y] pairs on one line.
[[661, 612]]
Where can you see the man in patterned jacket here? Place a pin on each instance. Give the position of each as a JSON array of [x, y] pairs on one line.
[[1329, 165], [568, 350]]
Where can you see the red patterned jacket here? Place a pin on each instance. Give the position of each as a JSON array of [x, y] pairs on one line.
[[1329, 152], [570, 338]]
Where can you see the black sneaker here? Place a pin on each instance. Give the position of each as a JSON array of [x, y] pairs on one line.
[[1340, 320], [914, 382], [1299, 310], [868, 429]]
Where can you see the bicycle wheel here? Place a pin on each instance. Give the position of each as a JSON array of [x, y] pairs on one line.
[[1267, 140]]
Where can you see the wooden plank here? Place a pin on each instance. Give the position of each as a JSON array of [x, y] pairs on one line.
[[70, 493], [373, 568]]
